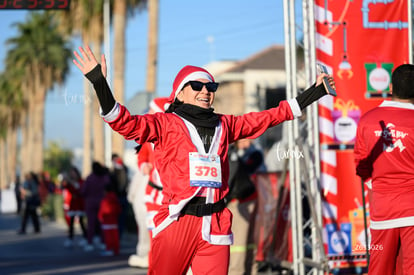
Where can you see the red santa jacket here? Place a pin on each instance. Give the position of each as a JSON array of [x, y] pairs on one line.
[[384, 152], [109, 210], [174, 137], [73, 200], [153, 196], [146, 155]]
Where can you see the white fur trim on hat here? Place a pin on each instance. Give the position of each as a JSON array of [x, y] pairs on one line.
[[155, 107], [190, 77]]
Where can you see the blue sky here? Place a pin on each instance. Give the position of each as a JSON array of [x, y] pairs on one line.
[[238, 28]]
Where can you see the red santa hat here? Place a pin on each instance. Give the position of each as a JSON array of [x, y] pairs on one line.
[[159, 104], [188, 73]]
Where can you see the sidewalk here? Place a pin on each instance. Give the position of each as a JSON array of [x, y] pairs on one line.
[[44, 253]]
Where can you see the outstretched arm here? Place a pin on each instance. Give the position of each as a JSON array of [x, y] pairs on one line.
[[96, 73], [314, 92]]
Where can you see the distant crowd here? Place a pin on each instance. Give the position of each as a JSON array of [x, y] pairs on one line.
[[98, 204]]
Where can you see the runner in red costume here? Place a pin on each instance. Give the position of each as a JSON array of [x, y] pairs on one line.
[[73, 205], [384, 153], [109, 211], [153, 191], [67, 198], [146, 164], [146, 192], [193, 226]]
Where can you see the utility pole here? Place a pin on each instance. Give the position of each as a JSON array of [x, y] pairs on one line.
[[152, 46]]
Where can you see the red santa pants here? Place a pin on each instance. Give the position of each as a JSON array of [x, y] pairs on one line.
[[111, 237], [384, 249], [180, 246]]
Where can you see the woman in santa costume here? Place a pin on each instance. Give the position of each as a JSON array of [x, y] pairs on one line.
[[193, 225]]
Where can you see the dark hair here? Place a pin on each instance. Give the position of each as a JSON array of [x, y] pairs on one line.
[[98, 169], [402, 78], [34, 176], [110, 187], [77, 172]]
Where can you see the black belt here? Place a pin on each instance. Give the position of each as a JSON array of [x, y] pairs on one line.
[[198, 207], [150, 183]]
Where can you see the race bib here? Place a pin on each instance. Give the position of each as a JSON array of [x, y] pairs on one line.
[[205, 170]]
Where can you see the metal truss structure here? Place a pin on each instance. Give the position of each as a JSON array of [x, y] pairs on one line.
[[309, 256]]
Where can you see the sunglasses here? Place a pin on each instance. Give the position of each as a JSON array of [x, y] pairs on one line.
[[198, 85]]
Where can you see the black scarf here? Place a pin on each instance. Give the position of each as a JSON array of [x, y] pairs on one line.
[[199, 117]]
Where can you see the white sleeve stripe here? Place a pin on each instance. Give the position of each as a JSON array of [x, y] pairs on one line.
[[112, 115], [392, 223], [294, 106]]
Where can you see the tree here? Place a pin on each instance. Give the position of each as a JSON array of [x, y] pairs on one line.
[[152, 46], [11, 109], [57, 159], [85, 18], [120, 9], [41, 52]]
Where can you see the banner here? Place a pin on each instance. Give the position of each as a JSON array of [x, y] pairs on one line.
[[273, 226], [360, 42]]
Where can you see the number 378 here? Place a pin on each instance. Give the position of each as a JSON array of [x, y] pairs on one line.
[[205, 171]]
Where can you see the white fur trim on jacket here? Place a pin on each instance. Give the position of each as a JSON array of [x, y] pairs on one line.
[[294, 106], [175, 209], [112, 115]]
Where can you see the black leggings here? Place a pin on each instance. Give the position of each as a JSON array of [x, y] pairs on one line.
[[30, 211], [72, 226]]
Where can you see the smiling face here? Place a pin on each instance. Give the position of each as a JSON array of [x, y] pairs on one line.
[[203, 98]]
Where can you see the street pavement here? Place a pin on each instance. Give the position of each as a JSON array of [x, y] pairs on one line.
[[44, 253]]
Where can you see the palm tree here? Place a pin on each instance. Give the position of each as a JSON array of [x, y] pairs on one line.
[[119, 22], [152, 46], [11, 107], [84, 18], [94, 34], [3, 153], [4, 91], [44, 55], [121, 10]]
